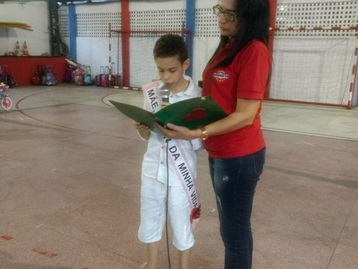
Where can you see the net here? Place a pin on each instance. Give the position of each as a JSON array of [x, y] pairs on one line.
[[314, 65]]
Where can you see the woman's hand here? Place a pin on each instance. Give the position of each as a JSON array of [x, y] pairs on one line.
[[178, 132]]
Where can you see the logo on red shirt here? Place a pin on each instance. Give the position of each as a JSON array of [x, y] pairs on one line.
[[221, 76]]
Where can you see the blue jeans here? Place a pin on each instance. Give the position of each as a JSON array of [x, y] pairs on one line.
[[234, 181]]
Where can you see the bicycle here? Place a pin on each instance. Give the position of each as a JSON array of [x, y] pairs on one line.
[[5, 101]]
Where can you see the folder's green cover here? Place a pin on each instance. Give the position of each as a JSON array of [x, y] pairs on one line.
[[191, 113]]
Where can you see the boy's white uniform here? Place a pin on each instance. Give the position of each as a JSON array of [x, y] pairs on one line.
[[155, 175]]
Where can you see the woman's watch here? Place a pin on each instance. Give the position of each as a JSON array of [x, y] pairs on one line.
[[204, 134]]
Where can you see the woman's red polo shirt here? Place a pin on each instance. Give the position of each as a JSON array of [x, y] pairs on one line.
[[244, 78]]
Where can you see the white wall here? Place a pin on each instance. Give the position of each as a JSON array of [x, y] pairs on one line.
[[203, 46], [205, 3], [34, 14], [93, 51], [307, 1], [172, 4], [144, 6]]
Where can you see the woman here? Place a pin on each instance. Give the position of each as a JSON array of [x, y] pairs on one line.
[[236, 77]]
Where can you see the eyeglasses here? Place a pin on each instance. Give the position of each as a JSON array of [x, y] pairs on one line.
[[229, 15]]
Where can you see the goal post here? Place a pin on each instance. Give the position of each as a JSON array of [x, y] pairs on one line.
[[314, 65]]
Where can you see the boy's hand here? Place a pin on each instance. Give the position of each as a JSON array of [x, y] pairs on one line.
[[139, 126], [142, 129], [164, 104]]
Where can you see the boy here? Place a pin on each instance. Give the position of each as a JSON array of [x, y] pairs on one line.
[[163, 182]]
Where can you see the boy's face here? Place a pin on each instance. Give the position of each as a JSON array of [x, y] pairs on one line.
[[171, 71]]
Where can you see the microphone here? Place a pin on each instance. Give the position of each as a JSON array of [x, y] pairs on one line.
[[164, 93]]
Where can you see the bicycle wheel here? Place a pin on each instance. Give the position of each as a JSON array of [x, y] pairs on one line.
[[6, 103]]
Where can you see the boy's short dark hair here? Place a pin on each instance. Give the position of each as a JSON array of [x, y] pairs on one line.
[[170, 45]]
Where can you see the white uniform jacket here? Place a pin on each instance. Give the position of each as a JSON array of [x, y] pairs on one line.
[[155, 159]]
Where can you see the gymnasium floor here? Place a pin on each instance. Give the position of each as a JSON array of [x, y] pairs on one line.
[[70, 182]]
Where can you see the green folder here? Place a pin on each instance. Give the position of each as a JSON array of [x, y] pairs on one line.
[[192, 113]]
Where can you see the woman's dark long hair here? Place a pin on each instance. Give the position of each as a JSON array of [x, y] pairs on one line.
[[254, 23]]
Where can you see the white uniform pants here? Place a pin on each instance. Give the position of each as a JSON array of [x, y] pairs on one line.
[[153, 212]]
